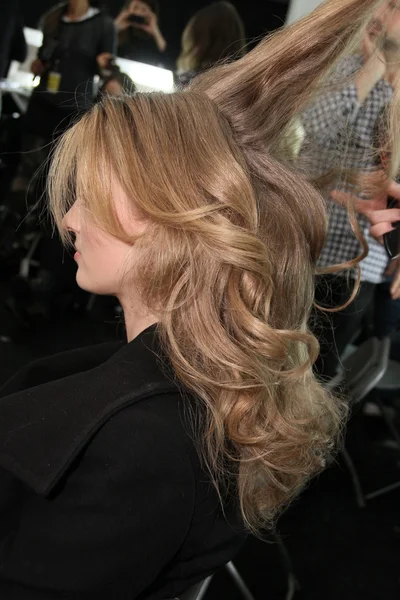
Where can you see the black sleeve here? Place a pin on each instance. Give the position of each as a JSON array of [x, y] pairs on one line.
[[48, 42], [108, 41], [120, 516]]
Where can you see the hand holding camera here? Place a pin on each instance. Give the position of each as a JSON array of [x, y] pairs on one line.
[[139, 15]]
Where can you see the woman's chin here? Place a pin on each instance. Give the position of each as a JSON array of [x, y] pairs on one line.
[[84, 284], [93, 287]]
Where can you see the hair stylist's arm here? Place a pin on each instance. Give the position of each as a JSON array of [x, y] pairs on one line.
[[37, 67], [380, 216], [376, 210]]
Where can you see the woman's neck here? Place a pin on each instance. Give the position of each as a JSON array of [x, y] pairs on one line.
[[77, 8], [137, 319]]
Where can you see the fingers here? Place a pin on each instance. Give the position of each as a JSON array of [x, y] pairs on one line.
[[378, 231], [342, 198], [361, 206], [389, 216], [103, 59], [382, 222], [368, 207]]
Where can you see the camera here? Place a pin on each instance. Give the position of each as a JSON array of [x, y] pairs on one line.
[[137, 20], [392, 239]]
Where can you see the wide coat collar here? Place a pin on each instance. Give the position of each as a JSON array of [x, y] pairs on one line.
[[44, 428]]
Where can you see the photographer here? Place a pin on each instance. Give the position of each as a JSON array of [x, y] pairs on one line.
[[139, 35]]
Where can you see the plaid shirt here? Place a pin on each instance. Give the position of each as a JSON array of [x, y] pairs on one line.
[[337, 123]]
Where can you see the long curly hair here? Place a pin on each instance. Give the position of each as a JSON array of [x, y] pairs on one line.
[[229, 255]]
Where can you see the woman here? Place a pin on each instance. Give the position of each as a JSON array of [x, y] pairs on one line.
[[215, 33], [139, 35], [78, 40], [132, 471]]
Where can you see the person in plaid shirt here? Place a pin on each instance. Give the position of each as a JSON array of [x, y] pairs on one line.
[[357, 107]]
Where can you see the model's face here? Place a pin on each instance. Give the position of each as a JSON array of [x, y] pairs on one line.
[[103, 261]]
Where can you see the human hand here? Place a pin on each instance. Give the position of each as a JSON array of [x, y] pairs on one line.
[[393, 270], [104, 59], [139, 9], [122, 21], [142, 9], [150, 26], [37, 67], [380, 217]]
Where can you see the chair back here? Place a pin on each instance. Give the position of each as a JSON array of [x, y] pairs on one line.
[[197, 591], [391, 380], [363, 369]]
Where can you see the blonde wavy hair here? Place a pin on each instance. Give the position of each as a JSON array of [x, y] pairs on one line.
[[229, 254]]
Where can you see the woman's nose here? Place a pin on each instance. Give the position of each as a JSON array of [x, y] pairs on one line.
[[71, 220]]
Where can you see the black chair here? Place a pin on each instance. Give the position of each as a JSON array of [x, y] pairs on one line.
[[362, 369], [365, 369], [198, 591]]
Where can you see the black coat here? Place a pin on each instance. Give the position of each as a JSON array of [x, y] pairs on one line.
[[102, 494]]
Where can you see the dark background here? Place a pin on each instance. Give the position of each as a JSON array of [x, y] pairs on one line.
[[260, 16]]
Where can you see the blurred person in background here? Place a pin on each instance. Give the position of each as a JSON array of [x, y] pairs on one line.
[[215, 33], [139, 34], [134, 470], [356, 109], [12, 40], [78, 41]]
